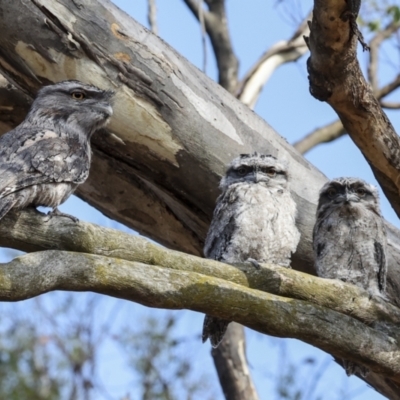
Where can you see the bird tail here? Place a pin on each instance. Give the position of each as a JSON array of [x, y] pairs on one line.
[[6, 204], [214, 329]]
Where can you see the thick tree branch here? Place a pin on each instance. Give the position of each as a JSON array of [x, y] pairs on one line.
[[157, 167], [36, 273], [335, 77], [335, 130], [216, 24], [32, 231], [280, 53]]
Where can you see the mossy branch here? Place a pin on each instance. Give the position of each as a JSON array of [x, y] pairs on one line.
[[155, 286], [30, 230], [326, 313]]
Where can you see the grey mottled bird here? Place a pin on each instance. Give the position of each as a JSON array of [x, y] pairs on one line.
[[350, 239], [254, 220], [47, 156]]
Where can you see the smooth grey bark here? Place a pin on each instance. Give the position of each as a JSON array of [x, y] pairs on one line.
[[158, 165]]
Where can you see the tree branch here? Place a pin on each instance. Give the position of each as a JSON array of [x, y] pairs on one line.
[[232, 367], [326, 134], [14, 105], [335, 130], [389, 88], [280, 53], [36, 273], [216, 25], [30, 230], [152, 15], [389, 105], [374, 46], [335, 77]]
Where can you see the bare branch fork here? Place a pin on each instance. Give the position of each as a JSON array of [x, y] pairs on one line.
[[274, 300]]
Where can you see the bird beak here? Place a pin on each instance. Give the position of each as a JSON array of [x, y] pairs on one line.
[[106, 109], [349, 197]]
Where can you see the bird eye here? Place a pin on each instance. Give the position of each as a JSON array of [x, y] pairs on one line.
[[78, 95], [361, 192], [331, 192], [241, 171], [271, 172]]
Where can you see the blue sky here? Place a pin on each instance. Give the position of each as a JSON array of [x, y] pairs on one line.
[[289, 108]]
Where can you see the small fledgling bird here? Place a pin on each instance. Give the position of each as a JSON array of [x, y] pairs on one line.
[[254, 220], [349, 239], [47, 156]]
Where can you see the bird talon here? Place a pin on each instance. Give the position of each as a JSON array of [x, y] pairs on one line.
[[58, 213], [254, 263]]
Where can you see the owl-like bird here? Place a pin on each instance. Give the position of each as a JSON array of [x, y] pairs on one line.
[[47, 156], [254, 220], [349, 239]]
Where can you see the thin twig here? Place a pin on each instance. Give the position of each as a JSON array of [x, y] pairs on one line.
[[375, 43], [203, 34], [152, 16]]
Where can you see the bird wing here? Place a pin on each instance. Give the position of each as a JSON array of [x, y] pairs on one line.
[[222, 226], [38, 157]]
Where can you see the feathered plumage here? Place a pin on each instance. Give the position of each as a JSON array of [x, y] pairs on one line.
[[254, 219], [47, 156], [349, 239]]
